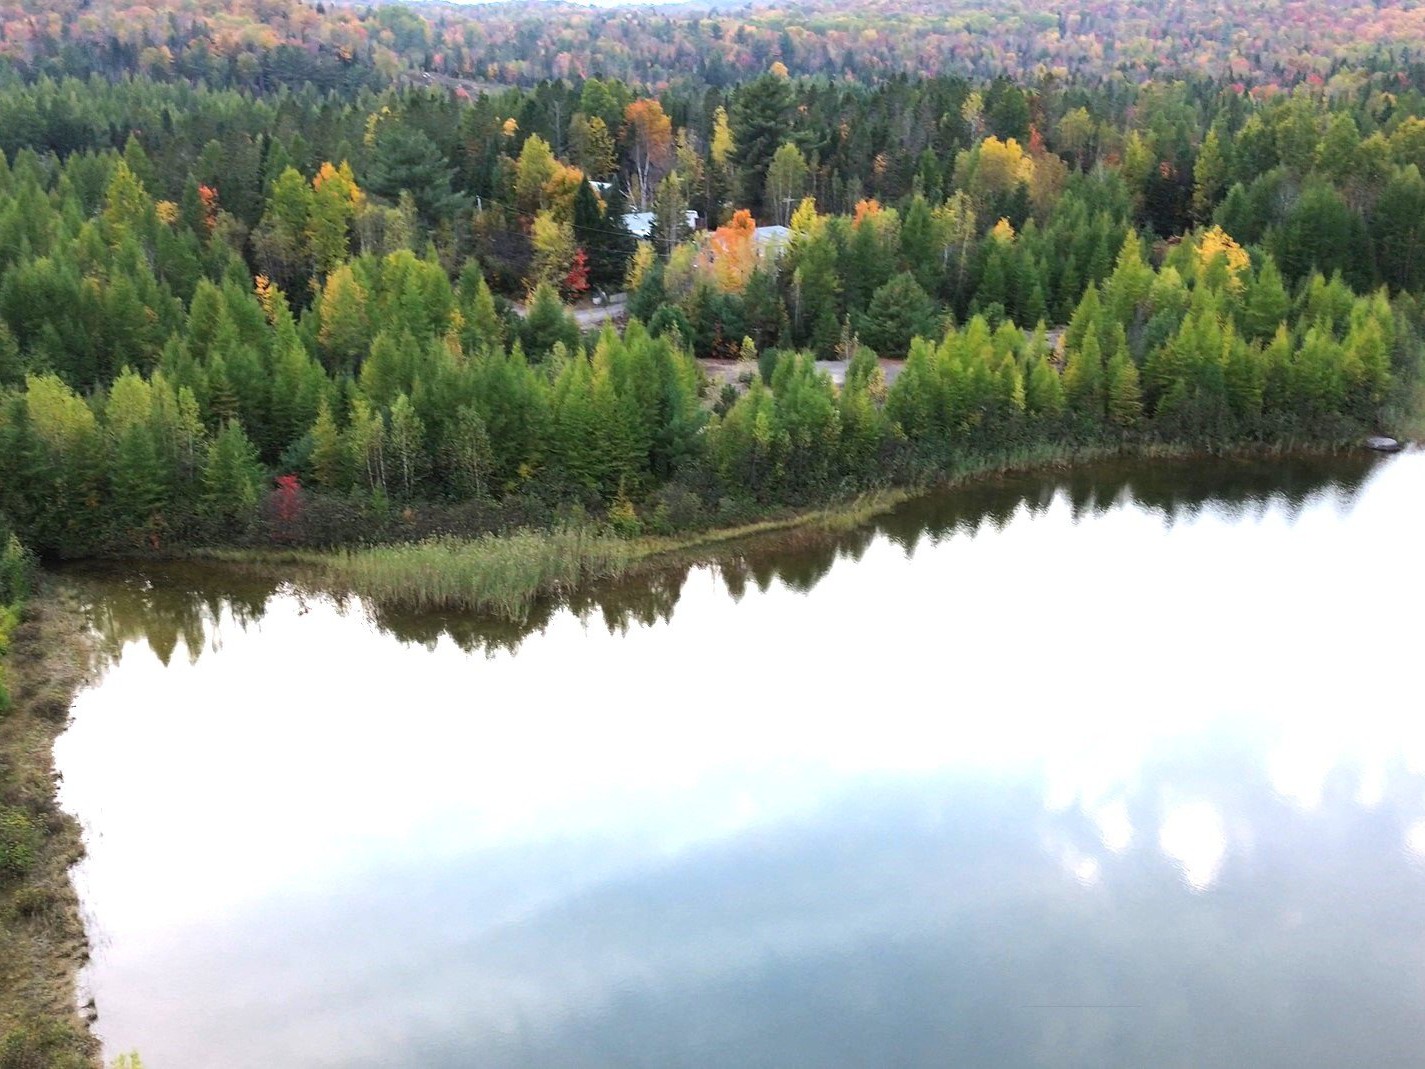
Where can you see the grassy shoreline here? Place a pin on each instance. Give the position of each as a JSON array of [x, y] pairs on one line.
[[43, 943], [505, 574]]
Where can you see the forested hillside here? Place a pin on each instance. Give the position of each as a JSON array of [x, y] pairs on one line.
[[264, 43]]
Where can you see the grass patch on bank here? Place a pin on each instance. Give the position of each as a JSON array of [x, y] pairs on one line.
[[42, 938], [495, 573], [505, 574]]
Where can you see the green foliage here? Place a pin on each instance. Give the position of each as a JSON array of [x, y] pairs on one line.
[[404, 159], [19, 843], [759, 124], [899, 311], [232, 475], [17, 568], [548, 324], [44, 1045]]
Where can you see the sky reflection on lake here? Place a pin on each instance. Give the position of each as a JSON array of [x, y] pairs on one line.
[[1006, 781]]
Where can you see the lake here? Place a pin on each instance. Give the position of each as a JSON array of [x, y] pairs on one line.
[[1124, 767]]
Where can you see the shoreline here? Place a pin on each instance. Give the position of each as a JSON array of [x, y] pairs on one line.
[[43, 941], [376, 573]]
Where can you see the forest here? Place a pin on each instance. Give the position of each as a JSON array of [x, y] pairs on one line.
[[315, 317]]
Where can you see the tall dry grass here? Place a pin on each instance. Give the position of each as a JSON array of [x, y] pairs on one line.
[[494, 573]]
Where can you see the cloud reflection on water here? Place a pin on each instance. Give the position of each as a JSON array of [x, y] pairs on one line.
[[1010, 749]]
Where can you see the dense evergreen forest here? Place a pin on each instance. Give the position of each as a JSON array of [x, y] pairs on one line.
[[242, 310]]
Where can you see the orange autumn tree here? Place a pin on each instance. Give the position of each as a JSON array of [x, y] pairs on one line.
[[864, 209], [732, 252], [208, 200]]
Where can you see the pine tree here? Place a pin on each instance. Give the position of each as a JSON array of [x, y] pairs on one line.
[[127, 207], [1245, 374], [899, 311], [404, 159], [232, 477], [760, 111], [12, 364], [330, 459], [280, 240], [547, 324], [1125, 395], [1267, 304], [483, 328], [1083, 381], [1209, 174], [575, 434], [1043, 391], [603, 235]]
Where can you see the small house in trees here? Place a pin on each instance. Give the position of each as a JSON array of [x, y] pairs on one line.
[[771, 240], [640, 224]]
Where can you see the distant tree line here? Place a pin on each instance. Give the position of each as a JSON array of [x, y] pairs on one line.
[[262, 45]]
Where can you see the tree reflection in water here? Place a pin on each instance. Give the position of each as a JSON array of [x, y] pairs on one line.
[[192, 603]]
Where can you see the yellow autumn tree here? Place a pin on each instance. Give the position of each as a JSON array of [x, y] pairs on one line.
[[1221, 261], [723, 148], [993, 168], [554, 248], [649, 137], [638, 266], [560, 190], [344, 333], [267, 294], [534, 170], [806, 220]]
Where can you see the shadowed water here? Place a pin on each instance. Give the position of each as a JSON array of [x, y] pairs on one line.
[[1125, 767]]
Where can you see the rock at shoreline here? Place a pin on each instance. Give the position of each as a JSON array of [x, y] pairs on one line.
[[1382, 444]]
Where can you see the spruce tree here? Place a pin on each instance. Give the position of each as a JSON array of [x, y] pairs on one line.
[[232, 477], [1125, 396]]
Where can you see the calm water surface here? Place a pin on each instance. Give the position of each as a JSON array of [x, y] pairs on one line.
[[1123, 769]]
